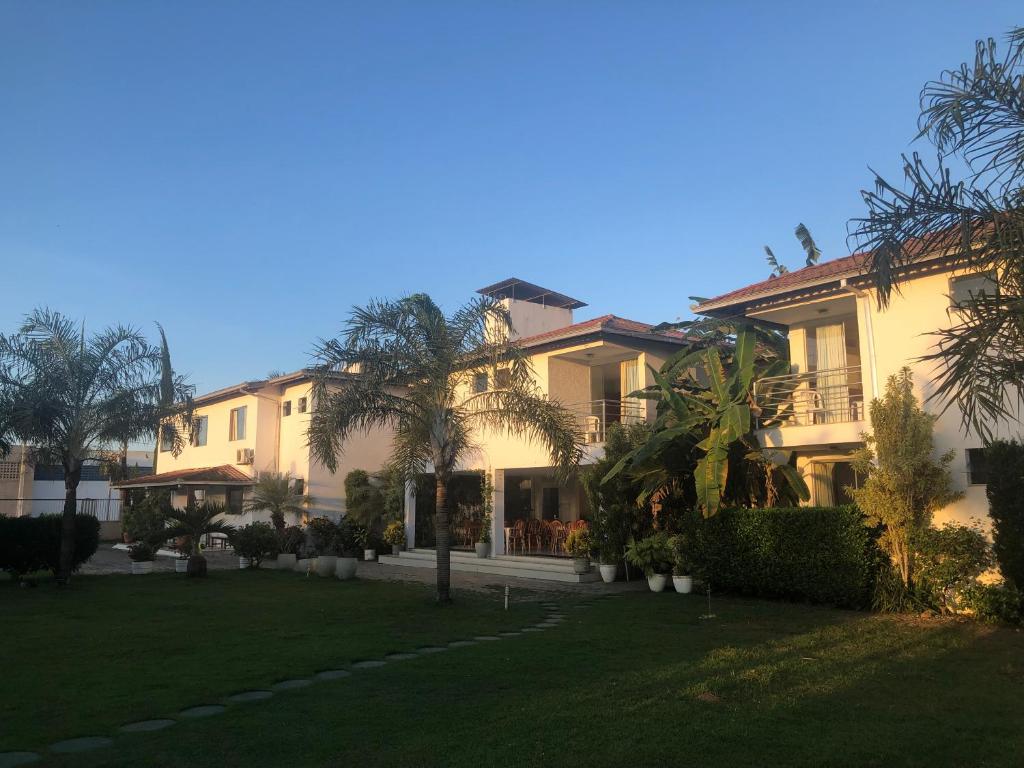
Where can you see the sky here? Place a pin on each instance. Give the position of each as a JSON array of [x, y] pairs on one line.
[[247, 172]]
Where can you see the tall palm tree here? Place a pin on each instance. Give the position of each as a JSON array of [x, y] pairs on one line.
[[416, 372], [275, 493], [192, 523], [70, 397]]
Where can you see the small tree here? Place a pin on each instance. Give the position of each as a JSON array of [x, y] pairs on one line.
[[276, 493], [905, 484], [1006, 507], [194, 522]]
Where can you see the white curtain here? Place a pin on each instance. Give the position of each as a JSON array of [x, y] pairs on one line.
[[831, 380], [629, 378], [821, 484]]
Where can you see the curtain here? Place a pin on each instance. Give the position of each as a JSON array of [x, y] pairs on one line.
[[831, 380], [629, 378], [821, 483]]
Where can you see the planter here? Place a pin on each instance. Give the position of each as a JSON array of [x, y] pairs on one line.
[[303, 565], [244, 563], [181, 565], [346, 568], [325, 565], [369, 555], [657, 581], [683, 584], [285, 562], [482, 549], [142, 567], [581, 565], [608, 572], [396, 549]]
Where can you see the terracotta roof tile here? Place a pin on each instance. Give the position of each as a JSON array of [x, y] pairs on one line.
[[225, 473], [603, 323]]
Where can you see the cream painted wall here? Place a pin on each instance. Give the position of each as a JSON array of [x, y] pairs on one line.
[[219, 449], [529, 319]]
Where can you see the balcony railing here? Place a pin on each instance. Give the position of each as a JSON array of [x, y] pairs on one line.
[[829, 396], [594, 417]]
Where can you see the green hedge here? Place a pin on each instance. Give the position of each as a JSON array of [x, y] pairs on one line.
[[815, 554], [1005, 492], [29, 544]]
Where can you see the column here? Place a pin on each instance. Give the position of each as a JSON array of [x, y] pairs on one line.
[[410, 514], [498, 522]]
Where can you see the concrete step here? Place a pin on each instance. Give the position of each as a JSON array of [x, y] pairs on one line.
[[556, 565], [523, 568]]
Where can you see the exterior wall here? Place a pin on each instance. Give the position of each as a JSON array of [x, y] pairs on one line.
[[16, 483], [219, 449], [529, 318]]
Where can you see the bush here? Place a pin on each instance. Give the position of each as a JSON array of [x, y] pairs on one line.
[[816, 554], [351, 536], [948, 561], [1006, 507], [141, 552], [144, 519], [323, 534], [291, 540], [394, 534], [996, 603], [651, 555], [254, 541], [579, 543], [30, 544]]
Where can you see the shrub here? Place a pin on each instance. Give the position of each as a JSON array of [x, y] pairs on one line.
[[291, 540], [996, 603], [682, 554], [1006, 506], [324, 535], [652, 555], [394, 534], [254, 541], [30, 544], [948, 561], [816, 554], [579, 543], [350, 536], [141, 552], [144, 519]]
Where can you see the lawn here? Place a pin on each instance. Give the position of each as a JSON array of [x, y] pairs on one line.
[[640, 679]]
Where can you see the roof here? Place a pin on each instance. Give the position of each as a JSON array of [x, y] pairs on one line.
[[250, 387], [225, 474], [603, 324], [520, 290]]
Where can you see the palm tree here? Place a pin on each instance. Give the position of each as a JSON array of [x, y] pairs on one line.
[[175, 421], [71, 397], [275, 493], [416, 372], [806, 242], [193, 522], [974, 114]]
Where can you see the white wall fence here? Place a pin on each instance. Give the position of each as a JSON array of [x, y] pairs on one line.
[[106, 510]]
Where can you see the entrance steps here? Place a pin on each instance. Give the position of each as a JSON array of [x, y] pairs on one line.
[[521, 566]]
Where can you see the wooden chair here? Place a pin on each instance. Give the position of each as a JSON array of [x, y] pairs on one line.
[[558, 534], [533, 533], [517, 535]]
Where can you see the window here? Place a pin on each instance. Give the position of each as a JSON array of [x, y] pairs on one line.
[[479, 383], [235, 496], [977, 466], [237, 424], [502, 378], [199, 430], [962, 289], [299, 486], [302, 404], [286, 408], [166, 440]]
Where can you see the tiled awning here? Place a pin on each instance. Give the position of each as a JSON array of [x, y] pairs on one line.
[[225, 474]]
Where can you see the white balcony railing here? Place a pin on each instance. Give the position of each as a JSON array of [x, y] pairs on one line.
[[829, 396], [594, 417]]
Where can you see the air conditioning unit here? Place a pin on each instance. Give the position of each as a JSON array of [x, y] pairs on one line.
[[245, 456]]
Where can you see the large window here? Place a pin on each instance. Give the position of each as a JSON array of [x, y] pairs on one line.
[[286, 408], [977, 466], [479, 383], [303, 405], [199, 430], [166, 440], [237, 431], [962, 289]]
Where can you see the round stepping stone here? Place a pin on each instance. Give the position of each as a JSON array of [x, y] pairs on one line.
[[82, 744], [400, 656], [291, 685], [369, 664], [510, 634], [532, 629], [144, 726], [245, 696], [547, 624], [332, 674], [556, 615], [486, 638], [430, 649], [461, 643], [206, 710], [13, 759]]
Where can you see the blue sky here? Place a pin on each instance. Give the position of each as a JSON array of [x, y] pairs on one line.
[[245, 172]]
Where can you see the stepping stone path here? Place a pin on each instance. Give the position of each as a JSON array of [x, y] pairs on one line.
[[372, 664], [292, 685], [486, 638], [430, 649], [206, 710], [400, 656], [461, 643], [246, 696], [510, 634], [533, 629], [332, 674], [145, 726], [14, 759], [83, 744]]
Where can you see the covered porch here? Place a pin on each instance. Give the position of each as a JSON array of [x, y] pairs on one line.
[[223, 485]]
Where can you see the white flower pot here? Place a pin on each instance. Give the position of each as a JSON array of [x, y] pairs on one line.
[[303, 565], [657, 581], [608, 572], [326, 565], [181, 565], [369, 555], [346, 568], [286, 562], [244, 563], [142, 567], [683, 584], [396, 549], [581, 565], [482, 549]]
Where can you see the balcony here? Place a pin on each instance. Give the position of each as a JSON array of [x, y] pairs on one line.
[[595, 416], [815, 408]]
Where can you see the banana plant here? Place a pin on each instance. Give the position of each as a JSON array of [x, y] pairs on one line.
[[706, 407]]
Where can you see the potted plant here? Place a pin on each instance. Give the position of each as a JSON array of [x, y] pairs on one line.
[[394, 535], [483, 543], [363, 538], [183, 546], [579, 544], [141, 554], [654, 556], [348, 547], [195, 521], [682, 565], [609, 555], [324, 534], [289, 542], [252, 543]]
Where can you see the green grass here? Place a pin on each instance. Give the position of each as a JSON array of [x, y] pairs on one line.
[[636, 680]]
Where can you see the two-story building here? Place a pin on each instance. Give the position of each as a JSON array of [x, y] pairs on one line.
[[843, 347]]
